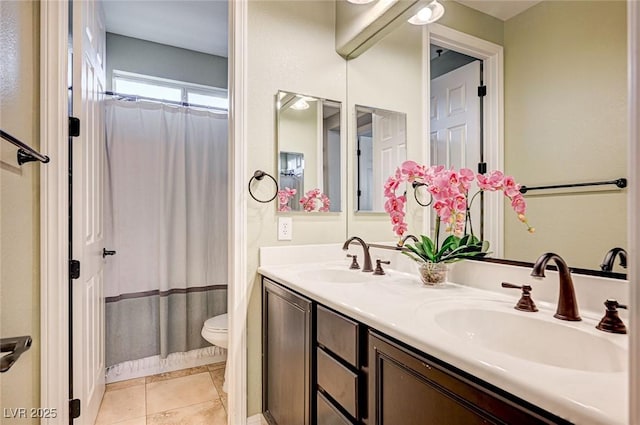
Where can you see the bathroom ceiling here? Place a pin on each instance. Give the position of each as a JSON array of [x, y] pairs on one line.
[[195, 25], [501, 9], [202, 25]]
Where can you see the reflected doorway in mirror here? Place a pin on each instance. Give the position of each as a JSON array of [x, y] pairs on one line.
[[381, 147]]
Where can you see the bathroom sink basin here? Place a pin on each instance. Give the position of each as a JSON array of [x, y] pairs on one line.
[[533, 339], [337, 276]]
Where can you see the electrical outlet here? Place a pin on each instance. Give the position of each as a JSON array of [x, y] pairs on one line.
[[285, 228]]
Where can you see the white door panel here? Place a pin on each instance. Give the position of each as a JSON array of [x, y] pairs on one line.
[[87, 212], [455, 123], [389, 150], [455, 115]]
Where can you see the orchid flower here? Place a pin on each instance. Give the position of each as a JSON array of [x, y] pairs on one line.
[[309, 201], [449, 190], [284, 196]]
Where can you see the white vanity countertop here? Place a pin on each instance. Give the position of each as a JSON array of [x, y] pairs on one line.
[[400, 306]]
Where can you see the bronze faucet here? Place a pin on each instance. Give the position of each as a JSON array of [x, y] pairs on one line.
[[607, 263], [402, 241], [367, 257], [567, 304]]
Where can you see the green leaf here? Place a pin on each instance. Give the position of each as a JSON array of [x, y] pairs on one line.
[[425, 256], [451, 241], [485, 246], [428, 244], [468, 247], [412, 256], [469, 239], [417, 248]]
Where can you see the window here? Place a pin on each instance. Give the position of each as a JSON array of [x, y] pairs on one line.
[[207, 100], [171, 90]]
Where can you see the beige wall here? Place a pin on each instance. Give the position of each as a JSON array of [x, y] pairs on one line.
[[565, 121], [470, 21], [291, 48], [19, 202]]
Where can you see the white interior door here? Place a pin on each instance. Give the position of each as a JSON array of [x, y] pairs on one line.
[[455, 123], [389, 150], [87, 211]]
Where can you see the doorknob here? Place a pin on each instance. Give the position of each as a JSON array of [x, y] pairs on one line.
[[105, 252]]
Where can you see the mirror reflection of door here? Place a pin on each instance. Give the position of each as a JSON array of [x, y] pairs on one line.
[[331, 153], [365, 160], [382, 147], [456, 117]]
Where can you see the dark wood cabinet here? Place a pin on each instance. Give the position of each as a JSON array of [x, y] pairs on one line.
[[328, 414], [406, 388], [321, 367], [339, 335], [340, 367], [287, 345]]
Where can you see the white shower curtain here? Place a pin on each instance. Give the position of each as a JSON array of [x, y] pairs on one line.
[[166, 217]]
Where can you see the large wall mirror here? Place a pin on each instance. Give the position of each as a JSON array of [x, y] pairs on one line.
[[381, 146], [387, 80], [565, 118], [309, 153]]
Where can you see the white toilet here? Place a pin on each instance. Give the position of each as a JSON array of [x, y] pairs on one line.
[[216, 331]]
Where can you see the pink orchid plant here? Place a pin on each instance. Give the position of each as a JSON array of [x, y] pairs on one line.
[[284, 196], [310, 201], [449, 191]]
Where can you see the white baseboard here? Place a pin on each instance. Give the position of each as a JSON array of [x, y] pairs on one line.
[[257, 420]]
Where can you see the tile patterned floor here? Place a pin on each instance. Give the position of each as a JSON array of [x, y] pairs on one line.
[[184, 397]]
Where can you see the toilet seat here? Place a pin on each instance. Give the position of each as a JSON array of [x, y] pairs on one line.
[[216, 331], [217, 324]]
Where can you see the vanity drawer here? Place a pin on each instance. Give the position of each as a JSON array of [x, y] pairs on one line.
[[338, 334], [338, 381], [328, 414]]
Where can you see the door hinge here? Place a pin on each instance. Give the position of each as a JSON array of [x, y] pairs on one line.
[[359, 152], [74, 127], [74, 269], [74, 408], [482, 167], [359, 192], [482, 91]]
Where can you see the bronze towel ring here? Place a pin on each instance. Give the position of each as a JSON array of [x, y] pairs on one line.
[[259, 175]]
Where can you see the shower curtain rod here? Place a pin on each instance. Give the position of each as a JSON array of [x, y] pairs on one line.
[[135, 97]]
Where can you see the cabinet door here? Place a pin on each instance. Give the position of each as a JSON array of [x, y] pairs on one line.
[[287, 354], [409, 390]]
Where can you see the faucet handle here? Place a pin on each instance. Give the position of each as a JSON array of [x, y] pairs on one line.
[[379, 264], [611, 322], [354, 264], [526, 302]]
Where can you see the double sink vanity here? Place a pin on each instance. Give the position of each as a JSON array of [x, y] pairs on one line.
[[343, 346]]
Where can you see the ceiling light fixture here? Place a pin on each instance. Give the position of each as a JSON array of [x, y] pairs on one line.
[[428, 14], [300, 105], [360, 1]]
